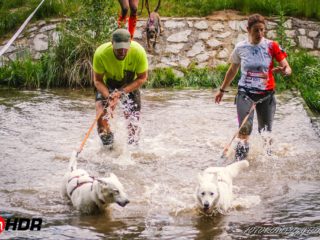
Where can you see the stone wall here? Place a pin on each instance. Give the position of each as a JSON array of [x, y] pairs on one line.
[[203, 41]]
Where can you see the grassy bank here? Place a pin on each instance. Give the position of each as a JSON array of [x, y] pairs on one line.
[[14, 12]]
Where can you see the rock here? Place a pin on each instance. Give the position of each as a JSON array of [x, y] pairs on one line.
[[178, 73], [223, 54], [290, 33], [174, 48], [223, 35], [218, 27], [313, 34], [141, 23], [271, 25], [48, 28], [204, 35], [55, 37], [241, 37], [203, 57], [288, 24], [302, 31], [190, 24], [197, 48], [40, 42], [184, 62], [170, 61], [214, 43], [272, 34], [32, 29], [202, 25], [179, 37], [174, 24], [137, 34], [305, 42], [238, 25]]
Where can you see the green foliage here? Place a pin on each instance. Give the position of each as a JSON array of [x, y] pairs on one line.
[[24, 73], [163, 77], [192, 77], [68, 63], [306, 77], [74, 51]]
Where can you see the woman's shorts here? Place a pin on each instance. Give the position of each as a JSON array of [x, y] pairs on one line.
[[265, 111]]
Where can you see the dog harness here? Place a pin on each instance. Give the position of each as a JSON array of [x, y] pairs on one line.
[[79, 184]]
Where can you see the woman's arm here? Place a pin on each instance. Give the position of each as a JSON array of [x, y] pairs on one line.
[[231, 73], [284, 68]]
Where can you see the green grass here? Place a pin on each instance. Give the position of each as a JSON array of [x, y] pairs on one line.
[[14, 12]]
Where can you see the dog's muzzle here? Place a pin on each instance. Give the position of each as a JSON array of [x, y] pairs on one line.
[[206, 206], [123, 203]]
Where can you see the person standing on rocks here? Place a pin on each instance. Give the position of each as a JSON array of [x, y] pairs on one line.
[[132, 22], [256, 85]]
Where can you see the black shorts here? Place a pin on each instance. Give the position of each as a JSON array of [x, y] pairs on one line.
[[132, 100]]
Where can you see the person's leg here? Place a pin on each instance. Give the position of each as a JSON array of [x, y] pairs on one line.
[[133, 16], [265, 114], [124, 11], [244, 105], [132, 105], [104, 131]]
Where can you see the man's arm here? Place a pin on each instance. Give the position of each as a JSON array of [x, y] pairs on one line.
[[137, 83], [99, 84]]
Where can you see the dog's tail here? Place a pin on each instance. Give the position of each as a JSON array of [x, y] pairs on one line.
[[235, 168], [73, 161], [158, 6]]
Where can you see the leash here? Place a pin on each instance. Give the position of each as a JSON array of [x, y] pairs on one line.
[[91, 127], [253, 107]]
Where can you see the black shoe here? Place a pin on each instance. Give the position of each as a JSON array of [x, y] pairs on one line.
[[242, 150], [107, 138]]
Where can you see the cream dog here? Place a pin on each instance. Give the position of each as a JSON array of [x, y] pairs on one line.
[[214, 191], [90, 194]]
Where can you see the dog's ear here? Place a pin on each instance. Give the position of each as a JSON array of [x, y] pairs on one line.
[[102, 182]]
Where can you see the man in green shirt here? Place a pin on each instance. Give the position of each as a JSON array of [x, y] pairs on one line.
[[120, 68]]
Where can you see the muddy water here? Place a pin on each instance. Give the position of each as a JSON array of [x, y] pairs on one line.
[[183, 132]]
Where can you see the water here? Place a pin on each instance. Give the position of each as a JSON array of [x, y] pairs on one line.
[[183, 132]]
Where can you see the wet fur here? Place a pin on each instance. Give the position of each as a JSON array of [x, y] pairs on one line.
[[214, 191], [95, 194]]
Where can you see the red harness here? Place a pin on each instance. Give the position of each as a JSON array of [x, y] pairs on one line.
[[79, 184]]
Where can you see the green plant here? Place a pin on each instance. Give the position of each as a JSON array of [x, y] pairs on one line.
[[79, 39]]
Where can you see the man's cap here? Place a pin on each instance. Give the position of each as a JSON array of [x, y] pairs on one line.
[[121, 38]]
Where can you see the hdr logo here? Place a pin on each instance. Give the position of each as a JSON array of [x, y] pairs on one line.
[[2, 224], [20, 224]]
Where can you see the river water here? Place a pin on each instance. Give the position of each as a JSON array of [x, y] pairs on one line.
[[183, 132]]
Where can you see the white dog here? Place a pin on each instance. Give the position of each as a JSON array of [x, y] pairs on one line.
[[89, 194], [214, 192]]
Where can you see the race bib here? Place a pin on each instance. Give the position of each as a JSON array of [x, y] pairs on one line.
[[257, 80]]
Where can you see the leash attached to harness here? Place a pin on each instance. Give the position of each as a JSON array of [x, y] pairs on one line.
[[253, 106]]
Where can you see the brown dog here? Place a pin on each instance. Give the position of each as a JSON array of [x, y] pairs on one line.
[[153, 27]]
